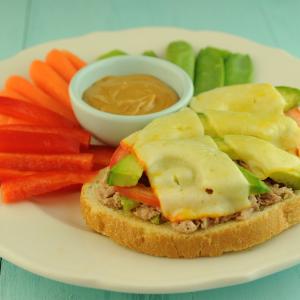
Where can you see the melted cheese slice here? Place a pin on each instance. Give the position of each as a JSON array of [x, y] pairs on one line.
[[192, 178], [263, 158], [182, 124], [278, 129], [258, 97]]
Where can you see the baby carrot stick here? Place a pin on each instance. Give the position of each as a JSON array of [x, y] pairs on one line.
[[61, 64], [8, 93], [77, 62], [50, 82], [23, 87]]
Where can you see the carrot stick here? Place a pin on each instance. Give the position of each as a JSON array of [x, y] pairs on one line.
[[77, 62], [61, 64], [12, 94], [50, 82], [23, 87]]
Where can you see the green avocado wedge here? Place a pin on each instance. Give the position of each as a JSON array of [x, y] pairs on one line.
[[128, 204], [257, 186], [125, 172], [264, 159], [291, 96]]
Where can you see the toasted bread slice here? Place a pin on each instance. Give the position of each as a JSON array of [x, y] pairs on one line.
[[163, 240]]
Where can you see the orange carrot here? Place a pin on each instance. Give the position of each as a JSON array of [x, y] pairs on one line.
[[20, 85], [61, 64], [50, 82], [77, 62], [12, 94]]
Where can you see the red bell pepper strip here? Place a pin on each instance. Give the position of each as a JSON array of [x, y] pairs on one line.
[[36, 142], [139, 193], [82, 136], [102, 155], [6, 174], [38, 184], [32, 113], [47, 162], [30, 93], [5, 120]]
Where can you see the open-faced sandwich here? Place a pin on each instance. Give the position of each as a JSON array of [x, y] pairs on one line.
[[220, 176]]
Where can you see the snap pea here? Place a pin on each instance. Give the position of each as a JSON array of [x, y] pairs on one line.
[[209, 71], [238, 69], [224, 53], [111, 53], [182, 54], [150, 53]]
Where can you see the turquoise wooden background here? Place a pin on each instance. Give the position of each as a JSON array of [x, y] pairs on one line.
[[24, 23]]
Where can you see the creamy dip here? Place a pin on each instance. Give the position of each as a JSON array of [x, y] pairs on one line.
[[136, 94]]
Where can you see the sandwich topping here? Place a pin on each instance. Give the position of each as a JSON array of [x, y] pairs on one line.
[[222, 163], [112, 199]]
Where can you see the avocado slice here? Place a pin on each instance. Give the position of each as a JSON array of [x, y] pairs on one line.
[[128, 204], [125, 172], [224, 147], [291, 179], [264, 159], [156, 220], [257, 186], [291, 96]]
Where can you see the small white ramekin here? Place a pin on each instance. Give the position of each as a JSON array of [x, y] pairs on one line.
[[111, 128]]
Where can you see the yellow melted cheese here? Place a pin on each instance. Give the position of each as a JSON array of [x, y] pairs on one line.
[[187, 172], [182, 124], [258, 97], [193, 179], [263, 158], [278, 129]]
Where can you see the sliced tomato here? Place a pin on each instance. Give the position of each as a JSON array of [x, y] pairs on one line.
[[139, 193], [294, 113], [120, 152]]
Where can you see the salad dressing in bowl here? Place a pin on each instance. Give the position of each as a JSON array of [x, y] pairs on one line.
[[136, 94]]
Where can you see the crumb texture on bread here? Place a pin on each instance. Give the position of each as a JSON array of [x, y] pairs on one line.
[[163, 240]]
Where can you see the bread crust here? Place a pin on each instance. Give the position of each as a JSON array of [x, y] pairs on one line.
[[162, 240]]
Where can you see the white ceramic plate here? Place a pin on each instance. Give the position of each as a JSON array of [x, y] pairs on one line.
[[48, 236]]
